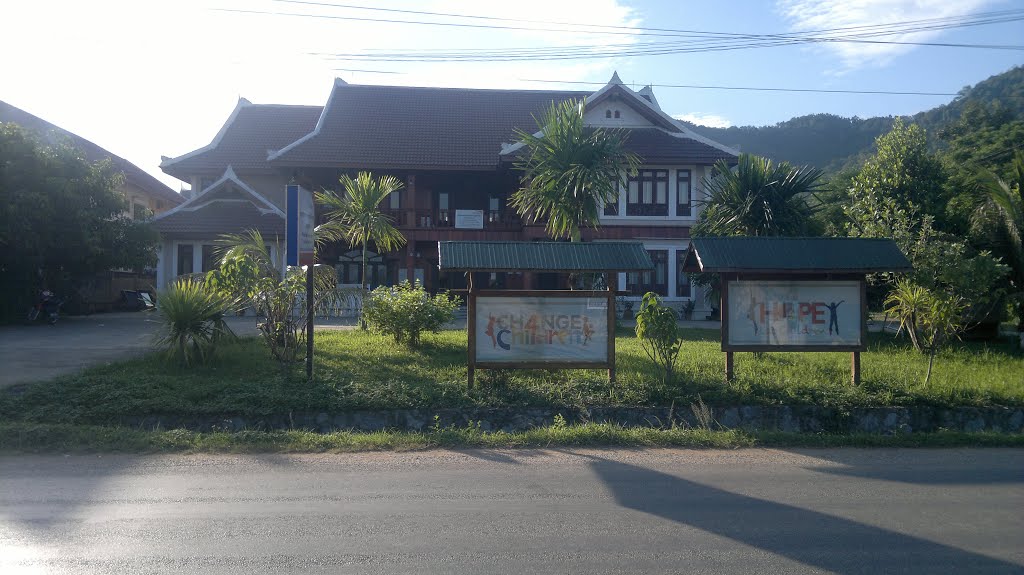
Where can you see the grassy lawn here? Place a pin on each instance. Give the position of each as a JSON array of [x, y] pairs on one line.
[[357, 370]]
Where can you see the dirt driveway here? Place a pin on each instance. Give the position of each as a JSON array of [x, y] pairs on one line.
[[39, 352]]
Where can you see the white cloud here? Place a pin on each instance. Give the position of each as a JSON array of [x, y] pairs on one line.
[[709, 120], [805, 15]]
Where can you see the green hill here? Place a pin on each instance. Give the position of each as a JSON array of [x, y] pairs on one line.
[[832, 142]]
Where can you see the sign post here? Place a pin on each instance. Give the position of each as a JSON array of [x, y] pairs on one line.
[[299, 239]]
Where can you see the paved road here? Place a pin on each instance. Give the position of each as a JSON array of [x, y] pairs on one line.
[[661, 511]]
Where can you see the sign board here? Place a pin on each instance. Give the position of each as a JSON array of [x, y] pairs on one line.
[[469, 219], [764, 315], [533, 330], [299, 224]]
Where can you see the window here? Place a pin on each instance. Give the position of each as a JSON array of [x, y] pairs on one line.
[[209, 258], [616, 113], [685, 204], [682, 280], [444, 218], [639, 283], [612, 207], [607, 113], [395, 200], [184, 259], [647, 194], [493, 209]]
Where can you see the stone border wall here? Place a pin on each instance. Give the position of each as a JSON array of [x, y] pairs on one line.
[[804, 419]]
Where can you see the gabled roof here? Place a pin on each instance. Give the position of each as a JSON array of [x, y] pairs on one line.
[[251, 132], [399, 127], [133, 174], [206, 213], [543, 256], [794, 255]]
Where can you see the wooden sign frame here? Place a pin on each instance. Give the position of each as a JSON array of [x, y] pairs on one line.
[[471, 304]]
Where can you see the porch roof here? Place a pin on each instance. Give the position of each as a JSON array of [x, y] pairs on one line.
[[794, 255], [543, 256]]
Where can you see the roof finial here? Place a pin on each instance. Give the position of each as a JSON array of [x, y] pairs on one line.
[[615, 78]]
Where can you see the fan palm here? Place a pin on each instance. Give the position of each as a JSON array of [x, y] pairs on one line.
[[570, 171], [758, 198], [1005, 201], [354, 217]]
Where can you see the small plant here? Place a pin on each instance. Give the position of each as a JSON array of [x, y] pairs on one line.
[[702, 413], [192, 319], [406, 310], [931, 319], [658, 333], [687, 309]]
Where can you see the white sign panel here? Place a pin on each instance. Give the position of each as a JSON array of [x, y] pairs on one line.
[[541, 329], [795, 313], [300, 221], [469, 219]]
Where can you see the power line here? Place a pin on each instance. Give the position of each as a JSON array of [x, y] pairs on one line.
[[755, 89]]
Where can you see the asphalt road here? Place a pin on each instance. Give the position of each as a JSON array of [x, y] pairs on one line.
[[550, 511]]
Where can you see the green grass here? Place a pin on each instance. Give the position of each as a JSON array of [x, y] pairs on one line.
[[358, 370], [49, 438]]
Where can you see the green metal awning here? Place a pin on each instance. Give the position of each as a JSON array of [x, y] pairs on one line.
[[543, 256], [794, 255]]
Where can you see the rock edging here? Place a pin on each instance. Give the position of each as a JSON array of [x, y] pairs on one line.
[[800, 419]]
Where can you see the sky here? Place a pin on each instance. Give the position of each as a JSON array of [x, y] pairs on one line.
[[146, 79]]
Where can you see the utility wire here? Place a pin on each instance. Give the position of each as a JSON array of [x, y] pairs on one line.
[[753, 88]]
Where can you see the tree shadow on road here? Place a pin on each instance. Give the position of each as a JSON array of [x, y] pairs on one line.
[[823, 541]]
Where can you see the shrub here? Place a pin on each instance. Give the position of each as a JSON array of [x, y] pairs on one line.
[[192, 319], [406, 310], [658, 333]]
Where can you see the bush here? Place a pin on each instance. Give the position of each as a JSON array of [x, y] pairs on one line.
[[406, 310], [658, 333], [192, 319]]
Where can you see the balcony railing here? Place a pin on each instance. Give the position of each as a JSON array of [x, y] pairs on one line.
[[441, 219]]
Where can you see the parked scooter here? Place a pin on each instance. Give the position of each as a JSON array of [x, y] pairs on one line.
[[47, 307]]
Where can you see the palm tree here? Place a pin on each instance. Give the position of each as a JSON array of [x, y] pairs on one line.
[[570, 171], [355, 217], [758, 198], [1004, 203]]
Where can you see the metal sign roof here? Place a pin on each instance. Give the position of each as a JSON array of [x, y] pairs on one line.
[[794, 255], [543, 256]]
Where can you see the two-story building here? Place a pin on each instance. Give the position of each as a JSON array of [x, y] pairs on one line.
[[454, 149]]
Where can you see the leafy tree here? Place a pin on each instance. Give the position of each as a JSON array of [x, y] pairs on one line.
[[1003, 213], [62, 219], [355, 216], [570, 171], [902, 174]]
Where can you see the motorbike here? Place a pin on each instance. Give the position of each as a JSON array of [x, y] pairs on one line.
[[48, 307]]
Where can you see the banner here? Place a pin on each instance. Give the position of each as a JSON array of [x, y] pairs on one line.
[[299, 224], [541, 329], [794, 313]]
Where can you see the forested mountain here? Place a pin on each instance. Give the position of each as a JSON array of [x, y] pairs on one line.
[[832, 142]]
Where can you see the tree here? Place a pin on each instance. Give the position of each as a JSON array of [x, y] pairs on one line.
[[1004, 207], [62, 219], [902, 174], [355, 217], [570, 171], [758, 198], [931, 319], [658, 332], [247, 277]]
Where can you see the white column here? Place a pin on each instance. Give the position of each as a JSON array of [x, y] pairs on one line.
[[197, 257], [671, 272], [673, 194]]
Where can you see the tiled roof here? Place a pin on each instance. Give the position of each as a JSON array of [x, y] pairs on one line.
[[655, 146], [133, 174], [543, 256], [249, 135], [220, 217], [795, 255], [418, 128]]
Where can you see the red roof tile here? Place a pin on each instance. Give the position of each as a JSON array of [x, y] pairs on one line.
[[133, 174], [245, 140]]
